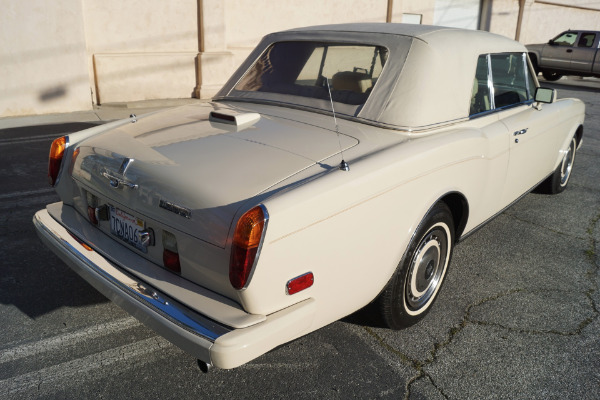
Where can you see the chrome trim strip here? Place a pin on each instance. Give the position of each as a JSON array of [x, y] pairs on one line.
[[491, 82], [496, 110], [161, 304], [408, 129], [530, 95]]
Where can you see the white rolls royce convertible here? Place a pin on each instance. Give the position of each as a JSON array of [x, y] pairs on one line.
[[339, 166]]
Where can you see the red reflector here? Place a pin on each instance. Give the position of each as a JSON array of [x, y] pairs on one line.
[[92, 215], [171, 261], [300, 283]]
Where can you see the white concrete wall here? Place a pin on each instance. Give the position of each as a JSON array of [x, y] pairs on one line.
[[42, 58], [247, 21], [64, 55], [141, 49], [425, 8], [543, 20], [457, 13]]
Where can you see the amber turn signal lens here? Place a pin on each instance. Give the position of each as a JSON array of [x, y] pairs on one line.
[[249, 229], [246, 240], [57, 151], [81, 242]]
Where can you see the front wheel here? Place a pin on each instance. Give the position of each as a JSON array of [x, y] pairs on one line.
[[557, 182], [413, 288]]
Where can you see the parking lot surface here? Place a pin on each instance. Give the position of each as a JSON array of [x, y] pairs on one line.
[[516, 319]]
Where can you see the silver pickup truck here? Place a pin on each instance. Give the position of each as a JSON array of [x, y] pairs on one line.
[[570, 53]]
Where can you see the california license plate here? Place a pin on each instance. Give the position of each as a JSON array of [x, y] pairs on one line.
[[127, 227]]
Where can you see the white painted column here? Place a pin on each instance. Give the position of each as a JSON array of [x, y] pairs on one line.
[[215, 63]]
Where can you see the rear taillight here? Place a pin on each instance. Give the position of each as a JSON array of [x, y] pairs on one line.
[[170, 252], [247, 239], [171, 261], [92, 215], [57, 150]]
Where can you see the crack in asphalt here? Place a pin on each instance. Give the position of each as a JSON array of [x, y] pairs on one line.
[[516, 217], [416, 364], [576, 332], [419, 365], [435, 385]]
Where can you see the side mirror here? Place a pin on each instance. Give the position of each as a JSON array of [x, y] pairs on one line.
[[551, 42], [545, 95]]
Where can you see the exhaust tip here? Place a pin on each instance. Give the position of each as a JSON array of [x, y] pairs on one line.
[[204, 366]]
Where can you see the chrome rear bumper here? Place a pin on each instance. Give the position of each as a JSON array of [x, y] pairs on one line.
[[186, 328], [210, 341]]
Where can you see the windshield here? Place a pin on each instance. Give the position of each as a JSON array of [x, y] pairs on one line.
[[303, 69]]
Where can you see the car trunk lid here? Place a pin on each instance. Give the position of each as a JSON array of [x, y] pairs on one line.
[[192, 171]]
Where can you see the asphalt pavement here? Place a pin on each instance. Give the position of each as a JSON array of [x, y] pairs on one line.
[[516, 319]]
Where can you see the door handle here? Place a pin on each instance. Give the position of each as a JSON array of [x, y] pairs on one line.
[[521, 132], [569, 50]]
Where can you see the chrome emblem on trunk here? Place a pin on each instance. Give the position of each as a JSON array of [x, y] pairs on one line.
[[115, 181], [174, 208]]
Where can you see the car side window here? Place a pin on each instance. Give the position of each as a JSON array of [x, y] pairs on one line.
[[501, 80], [586, 40], [566, 39], [531, 85], [480, 97], [508, 76]]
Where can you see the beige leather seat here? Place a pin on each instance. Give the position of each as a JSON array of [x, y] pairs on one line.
[[357, 82]]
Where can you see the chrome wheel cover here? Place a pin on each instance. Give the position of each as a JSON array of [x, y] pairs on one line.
[[427, 268], [567, 164]]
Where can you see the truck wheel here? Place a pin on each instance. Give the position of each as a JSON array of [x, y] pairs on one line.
[[413, 288], [551, 76]]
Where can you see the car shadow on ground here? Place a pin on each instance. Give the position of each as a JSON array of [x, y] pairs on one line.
[[24, 132], [37, 282], [32, 278], [367, 316]]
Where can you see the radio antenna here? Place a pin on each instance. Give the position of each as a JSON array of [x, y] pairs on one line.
[[343, 165]]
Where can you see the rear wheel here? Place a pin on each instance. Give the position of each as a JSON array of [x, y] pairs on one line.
[[413, 288]]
